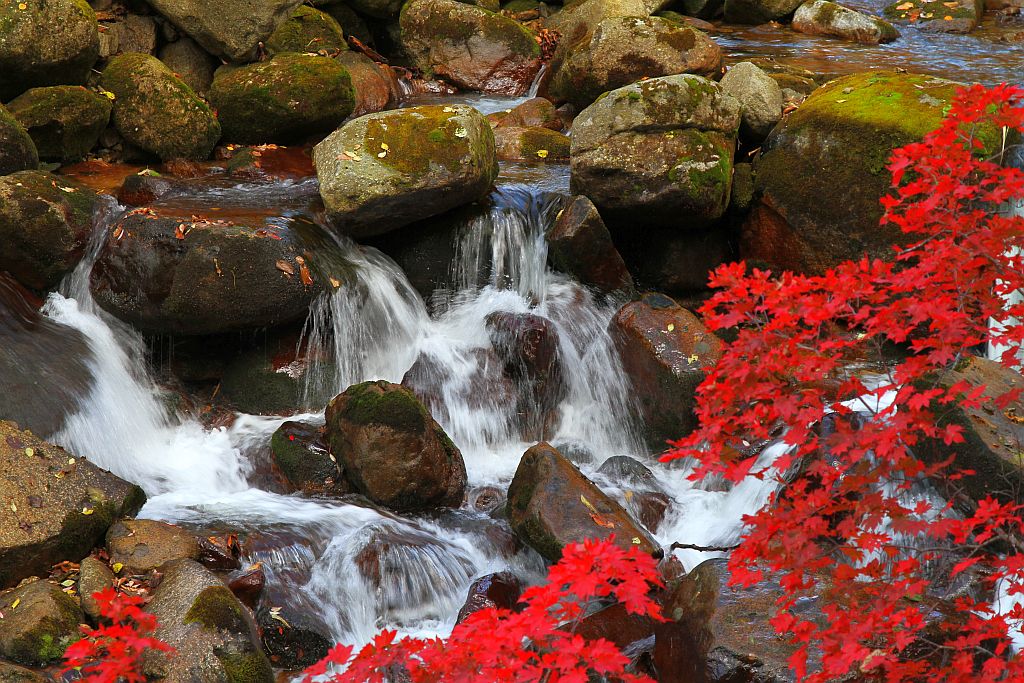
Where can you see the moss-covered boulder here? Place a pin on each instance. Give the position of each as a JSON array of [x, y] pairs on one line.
[[45, 224], [470, 46], [382, 171], [822, 171], [284, 99], [578, 20], [825, 18], [307, 30], [11, 673], [57, 506], [374, 86], [534, 112], [579, 244], [758, 11], [189, 62], [140, 545], [661, 149], [303, 458], [937, 16], [17, 151], [623, 50], [40, 621], [530, 144], [392, 450], [155, 111], [45, 42], [64, 121]]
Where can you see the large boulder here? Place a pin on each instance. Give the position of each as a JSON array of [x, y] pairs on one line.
[[382, 171], [140, 545], [665, 352], [57, 507], [536, 112], [392, 450], [758, 11], [284, 99], [45, 224], [155, 111], [579, 244], [17, 151], [11, 673], [470, 46], [825, 18], [232, 29], [677, 263], [40, 621], [760, 99], [46, 42], [64, 121], [661, 149], [192, 64], [530, 144], [301, 455], [374, 85], [551, 504], [624, 50], [577, 20], [307, 30]]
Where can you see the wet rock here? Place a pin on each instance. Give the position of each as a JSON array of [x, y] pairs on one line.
[[55, 42], [624, 469], [307, 30], [648, 507], [189, 62], [758, 11], [470, 46], [17, 151], [266, 380], [302, 456], [644, 499], [665, 352], [382, 171], [392, 450], [937, 16], [616, 625], [94, 576], [64, 121], [676, 262], [9, 673], [530, 144], [501, 590], [144, 544], [579, 244], [59, 506], [155, 111], [742, 188], [140, 189], [551, 504], [288, 641], [623, 50], [760, 99], [230, 29], [40, 621], [45, 224], [374, 85], [534, 112], [824, 18], [248, 585], [214, 634], [486, 499], [487, 387], [180, 276], [661, 148]]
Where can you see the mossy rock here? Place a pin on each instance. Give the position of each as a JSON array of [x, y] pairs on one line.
[[9, 673], [307, 30], [822, 17], [64, 121], [45, 42], [936, 16], [530, 144], [155, 111], [301, 455], [287, 98], [40, 621], [253, 385], [17, 151], [351, 23]]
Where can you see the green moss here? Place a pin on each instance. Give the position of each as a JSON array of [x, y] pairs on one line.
[[936, 10], [247, 667], [63, 121], [379, 403], [217, 608], [307, 30], [429, 21], [410, 143], [534, 140]]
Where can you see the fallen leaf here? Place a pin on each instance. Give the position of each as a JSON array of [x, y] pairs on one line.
[[542, 153], [586, 502], [16, 603], [607, 524], [117, 567], [285, 267], [304, 275], [87, 511]]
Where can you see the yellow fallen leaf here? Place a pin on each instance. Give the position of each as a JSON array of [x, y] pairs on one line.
[[671, 327], [117, 567], [693, 358], [906, 5], [583, 499], [30, 452], [16, 603], [335, 282], [22, 5], [542, 153], [87, 511], [636, 540]]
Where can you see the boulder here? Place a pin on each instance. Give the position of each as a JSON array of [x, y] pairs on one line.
[[295, 646], [189, 62], [470, 46], [57, 507], [665, 352], [46, 42], [500, 590], [45, 225], [17, 151], [661, 149], [758, 11], [623, 50], [351, 23], [577, 20], [301, 454], [675, 262], [374, 85], [377, 9], [530, 144], [94, 576], [140, 545], [579, 244], [232, 29], [131, 33], [191, 276], [64, 121], [551, 504], [825, 18], [937, 16], [382, 171], [9, 673], [155, 111], [392, 450], [307, 30], [534, 112], [40, 621], [287, 98], [760, 99]]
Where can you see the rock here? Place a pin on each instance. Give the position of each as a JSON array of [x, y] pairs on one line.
[[50, 518], [48, 42], [382, 171], [45, 225], [133, 33], [307, 30], [472, 47], [9, 673], [677, 262], [760, 99], [665, 352], [145, 544], [630, 471], [486, 388], [17, 151], [155, 111], [248, 585], [301, 454], [789, 77], [214, 634], [661, 148], [94, 576], [374, 85], [230, 29], [577, 20], [206, 277], [377, 9], [189, 62], [530, 144], [822, 172], [579, 244], [40, 621], [392, 450], [623, 50], [702, 9], [351, 23], [268, 379], [295, 646], [500, 590], [758, 11], [64, 121], [937, 16], [825, 18], [551, 504], [534, 112]]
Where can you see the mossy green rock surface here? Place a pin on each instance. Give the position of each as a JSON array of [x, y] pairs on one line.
[[64, 121], [385, 170], [307, 30], [9, 673], [287, 98], [577, 20], [302, 456], [530, 144], [17, 151], [472, 47], [936, 16], [156, 111], [824, 18], [40, 621], [49, 42]]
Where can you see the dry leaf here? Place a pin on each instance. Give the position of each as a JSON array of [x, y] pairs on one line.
[[285, 267]]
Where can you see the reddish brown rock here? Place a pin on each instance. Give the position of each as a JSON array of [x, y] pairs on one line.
[[535, 112], [500, 590], [579, 244]]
